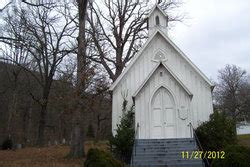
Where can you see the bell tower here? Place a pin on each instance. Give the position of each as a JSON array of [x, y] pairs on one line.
[[157, 20]]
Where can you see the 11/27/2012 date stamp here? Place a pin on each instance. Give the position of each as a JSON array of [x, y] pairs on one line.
[[203, 154]]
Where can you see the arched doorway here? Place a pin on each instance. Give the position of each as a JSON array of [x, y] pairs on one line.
[[163, 115]]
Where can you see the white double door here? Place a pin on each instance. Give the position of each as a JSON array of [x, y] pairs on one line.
[[163, 115]]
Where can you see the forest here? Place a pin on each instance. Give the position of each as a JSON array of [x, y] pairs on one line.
[[58, 59]]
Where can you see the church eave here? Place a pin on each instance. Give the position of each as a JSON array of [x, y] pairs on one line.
[[137, 55], [186, 58], [113, 86], [171, 73]]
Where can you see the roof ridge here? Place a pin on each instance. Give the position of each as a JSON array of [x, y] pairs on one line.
[[182, 54]]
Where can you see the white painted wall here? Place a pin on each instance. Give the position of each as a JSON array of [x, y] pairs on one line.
[[200, 105], [243, 128], [143, 102]]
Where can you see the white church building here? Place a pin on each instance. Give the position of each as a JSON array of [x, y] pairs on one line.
[[167, 89]]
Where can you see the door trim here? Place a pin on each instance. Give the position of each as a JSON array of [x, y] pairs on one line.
[[150, 107]]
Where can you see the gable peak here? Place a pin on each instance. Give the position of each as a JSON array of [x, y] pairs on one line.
[[157, 19]]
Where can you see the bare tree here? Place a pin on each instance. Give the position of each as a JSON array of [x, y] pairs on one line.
[[231, 91], [117, 30], [19, 55], [47, 32], [6, 5], [109, 47], [77, 140]]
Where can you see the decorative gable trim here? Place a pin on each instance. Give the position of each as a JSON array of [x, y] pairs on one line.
[[171, 73], [112, 87], [159, 56]]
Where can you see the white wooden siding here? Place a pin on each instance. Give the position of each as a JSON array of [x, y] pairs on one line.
[[201, 104]]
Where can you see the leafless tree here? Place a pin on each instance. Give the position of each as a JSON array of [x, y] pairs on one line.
[[46, 32], [77, 140], [232, 91], [17, 53], [107, 46], [118, 29], [13, 72]]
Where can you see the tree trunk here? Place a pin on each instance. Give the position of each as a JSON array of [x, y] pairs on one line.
[[27, 124], [12, 113], [77, 144], [12, 110], [43, 112], [41, 128], [77, 141]]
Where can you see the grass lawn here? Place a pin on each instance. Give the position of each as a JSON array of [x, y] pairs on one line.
[[244, 140], [52, 156]]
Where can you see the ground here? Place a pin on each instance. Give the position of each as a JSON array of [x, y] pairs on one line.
[[244, 140], [53, 156]]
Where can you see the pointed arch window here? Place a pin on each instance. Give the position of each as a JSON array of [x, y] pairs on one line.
[[157, 20]]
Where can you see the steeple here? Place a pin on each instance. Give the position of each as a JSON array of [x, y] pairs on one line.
[[157, 19]]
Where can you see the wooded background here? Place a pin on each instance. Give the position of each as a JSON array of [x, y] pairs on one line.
[[58, 60]]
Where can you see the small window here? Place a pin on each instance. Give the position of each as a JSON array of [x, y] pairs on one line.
[[159, 56], [157, 20], [161, 73]]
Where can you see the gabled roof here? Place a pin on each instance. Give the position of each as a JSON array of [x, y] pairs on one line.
[[171, 73], [158, 31], [157, 7], [133, 60]]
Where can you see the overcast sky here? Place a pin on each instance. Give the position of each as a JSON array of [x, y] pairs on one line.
[[218, 33]]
